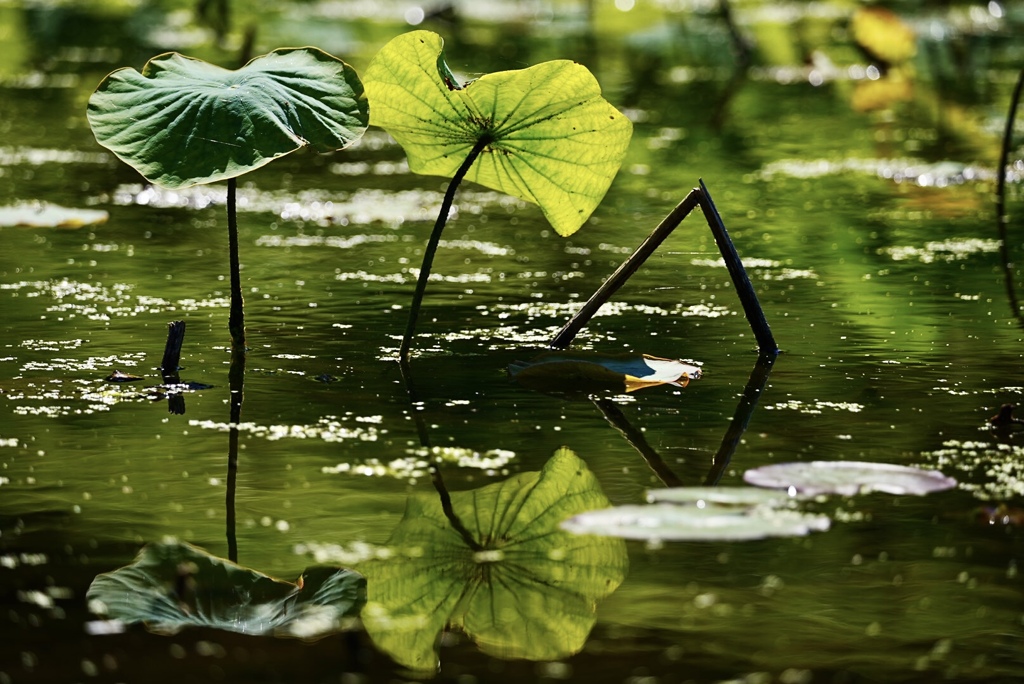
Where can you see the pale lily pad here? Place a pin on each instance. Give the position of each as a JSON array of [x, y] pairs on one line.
[[183, 121], [590, 372], [521, 589], [172, 585], [712, 522], [848, 478], [552, 139], [45, 215], [744, 497]]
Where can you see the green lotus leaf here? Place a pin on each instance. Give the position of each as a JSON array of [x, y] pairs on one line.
[[182, 121], [552, 139], [172, 585], [528, 591]]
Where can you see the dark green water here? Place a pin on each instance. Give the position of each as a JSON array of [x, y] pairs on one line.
[[869, 231]]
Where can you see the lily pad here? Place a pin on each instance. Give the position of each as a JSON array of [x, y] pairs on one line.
[[172, 585], [183, 121], [552, 139], [568, 372], [848, 478], [522, 589], [712, 522], [744, 497], [46, 215]]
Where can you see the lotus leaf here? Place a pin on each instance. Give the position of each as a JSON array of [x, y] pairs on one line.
[[183, 121], [551, 139], [172, 585], [527, 589], [848, 478], [721, 496], [711, 522]]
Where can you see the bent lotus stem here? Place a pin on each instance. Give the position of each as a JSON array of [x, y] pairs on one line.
[[432, 243], [696, 197], [1001, 218]]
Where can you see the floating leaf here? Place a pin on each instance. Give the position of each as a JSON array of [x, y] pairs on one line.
[[45, 215], [568, 372], [744, 497], [848, 478], [552, 139], [183, 121], [523, 589], [712, 522], [172, 585]]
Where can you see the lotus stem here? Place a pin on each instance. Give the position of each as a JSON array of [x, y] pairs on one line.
[[236, 317], [432, 243], [741, 418], [625, 271], [236, 384], [1001, 218], [748, 298]]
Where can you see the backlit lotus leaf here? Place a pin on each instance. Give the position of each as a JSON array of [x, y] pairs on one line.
[[552, 139]]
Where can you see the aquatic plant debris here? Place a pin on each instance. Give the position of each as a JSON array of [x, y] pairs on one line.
[[173, 585], [848, 478], [588, 371], [46, 215], [991, 471]]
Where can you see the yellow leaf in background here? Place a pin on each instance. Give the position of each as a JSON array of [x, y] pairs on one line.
[[883, 35]]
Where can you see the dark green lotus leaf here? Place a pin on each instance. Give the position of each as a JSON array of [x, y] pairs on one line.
[[172, 585], [569, 372], [552, 139], [529, 591], [183, 121]]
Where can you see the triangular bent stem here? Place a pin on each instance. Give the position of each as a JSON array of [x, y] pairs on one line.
[[435, 238], [236, 317], [748, 298], [1001, 218], [696, 197], [623, 273]]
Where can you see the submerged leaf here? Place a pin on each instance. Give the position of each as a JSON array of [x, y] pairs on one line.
[[183, 121], [711, 522], [569, 372], [523, 589], [172, 585], [552, 139], [848, 478]]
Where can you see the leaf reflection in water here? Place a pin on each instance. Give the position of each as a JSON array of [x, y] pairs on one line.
[[173, 585], [528, 591]]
